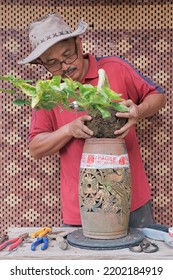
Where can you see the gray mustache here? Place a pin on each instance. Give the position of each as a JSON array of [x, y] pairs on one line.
[[68, 71]]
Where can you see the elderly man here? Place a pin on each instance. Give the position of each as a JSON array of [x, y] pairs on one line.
[[59, 50]]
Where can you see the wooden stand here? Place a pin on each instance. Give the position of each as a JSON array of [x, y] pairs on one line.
[[73, 253]]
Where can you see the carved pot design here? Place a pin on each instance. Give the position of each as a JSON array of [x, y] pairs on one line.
[[105, 188]]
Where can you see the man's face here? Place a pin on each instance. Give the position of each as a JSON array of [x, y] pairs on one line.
[[65, 59]]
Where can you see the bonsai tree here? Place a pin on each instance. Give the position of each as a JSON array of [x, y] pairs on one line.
[[98, 101]]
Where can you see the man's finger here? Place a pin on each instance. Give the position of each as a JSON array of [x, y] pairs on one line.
[[122, 130], [123, 115], [85, 118]]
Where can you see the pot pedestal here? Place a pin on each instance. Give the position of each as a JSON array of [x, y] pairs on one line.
[[77, 239], [105, 188]]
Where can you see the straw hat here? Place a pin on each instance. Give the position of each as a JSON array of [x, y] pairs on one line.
[[47, 31]]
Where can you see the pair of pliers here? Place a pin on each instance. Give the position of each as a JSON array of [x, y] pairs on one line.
[[40, 240], [41, 232], [15, 242]]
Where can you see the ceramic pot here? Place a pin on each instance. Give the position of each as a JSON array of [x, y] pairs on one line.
[[105, 188]]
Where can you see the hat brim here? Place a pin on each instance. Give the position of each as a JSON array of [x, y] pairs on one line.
[[40, 49]]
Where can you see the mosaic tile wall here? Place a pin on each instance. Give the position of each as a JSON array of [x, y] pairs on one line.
[[138, 31]]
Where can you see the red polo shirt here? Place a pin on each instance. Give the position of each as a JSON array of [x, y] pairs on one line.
[[124, 79]]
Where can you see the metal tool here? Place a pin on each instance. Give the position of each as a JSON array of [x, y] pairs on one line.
[[41, 235], [15, 242], [40, 240], [158, 235], [3, 238], [145, 246], [59, 236], [63, 244]]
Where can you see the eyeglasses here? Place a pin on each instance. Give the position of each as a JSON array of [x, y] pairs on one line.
[[56, 66]]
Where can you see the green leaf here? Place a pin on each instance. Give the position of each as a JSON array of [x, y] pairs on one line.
[[105, 113], [98, 99], [21, 102], [48, 94], [112, 95], [120, 107], [34, 101], [48, 106], [37, 108], [73, 85], [7, 90], [13, 79], [28, 89], [87, 90], [56, 80]]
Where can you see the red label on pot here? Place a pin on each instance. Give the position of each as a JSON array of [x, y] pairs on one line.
[[101, 161]]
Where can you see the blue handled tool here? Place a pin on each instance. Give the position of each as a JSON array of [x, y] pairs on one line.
[[40, 240]]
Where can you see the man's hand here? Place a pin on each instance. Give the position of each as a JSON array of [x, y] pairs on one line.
[[78, 129], [133, 116], [150, 105]]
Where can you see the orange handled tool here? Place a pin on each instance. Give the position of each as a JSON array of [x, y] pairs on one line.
[[41, 232]]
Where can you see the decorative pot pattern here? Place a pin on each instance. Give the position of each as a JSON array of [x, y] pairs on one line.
[[105, 188]]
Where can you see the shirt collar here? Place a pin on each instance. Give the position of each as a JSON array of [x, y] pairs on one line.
[[93, 67]]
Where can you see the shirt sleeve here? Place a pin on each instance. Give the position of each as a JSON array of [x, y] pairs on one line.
[[139, 86], [40, 122]]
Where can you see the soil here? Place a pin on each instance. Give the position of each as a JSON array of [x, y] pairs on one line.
[[104, 128]]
